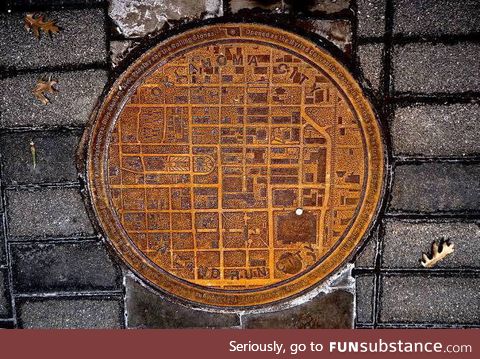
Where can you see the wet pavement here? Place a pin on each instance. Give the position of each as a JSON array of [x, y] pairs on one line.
[[419, 65]]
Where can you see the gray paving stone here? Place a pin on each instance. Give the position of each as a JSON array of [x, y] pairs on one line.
[[3, 255], [137, 18], [119, 50], [342, 279], [436, 187], [338, 32], [364, 298], [405, 241], [365, 258], [77, 94], [439, 17], [20, 4], [371, 18], [47, 212], [434, 299], [327, 6], [54, 157], [237, 6], [81, 40], [72, 313], [370, 58], [427, 68], [5, 303], [436, 130], [63, 267], [333, 310], [324, 6], [146, 309]]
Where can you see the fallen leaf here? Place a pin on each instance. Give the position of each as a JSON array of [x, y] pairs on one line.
[[439, 252], [42, 87], [35, 23]]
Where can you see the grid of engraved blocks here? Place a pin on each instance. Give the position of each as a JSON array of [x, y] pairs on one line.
[[249, 109]]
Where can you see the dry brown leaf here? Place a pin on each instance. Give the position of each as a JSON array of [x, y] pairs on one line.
[[35, 23], [42, 87], [439, 251]]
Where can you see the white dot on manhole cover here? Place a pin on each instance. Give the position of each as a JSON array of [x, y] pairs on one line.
[[299, 211]]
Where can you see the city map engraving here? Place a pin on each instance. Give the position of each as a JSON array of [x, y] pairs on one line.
[[236, 165]]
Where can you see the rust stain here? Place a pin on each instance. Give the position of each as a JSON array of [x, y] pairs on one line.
[[229, 132]]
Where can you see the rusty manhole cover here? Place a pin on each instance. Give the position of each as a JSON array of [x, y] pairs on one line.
[[235, 165]]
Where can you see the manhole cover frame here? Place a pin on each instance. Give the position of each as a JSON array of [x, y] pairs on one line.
[[94, 154]]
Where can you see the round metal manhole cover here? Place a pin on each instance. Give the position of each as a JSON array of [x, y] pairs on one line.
[[235, 165]]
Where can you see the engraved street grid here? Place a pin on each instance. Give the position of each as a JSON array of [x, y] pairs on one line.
[[266, 88], [377, 32]]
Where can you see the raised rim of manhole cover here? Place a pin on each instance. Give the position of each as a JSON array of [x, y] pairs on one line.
[[235, 165]]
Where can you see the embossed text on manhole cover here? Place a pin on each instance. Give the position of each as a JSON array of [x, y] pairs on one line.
[[235, 165]]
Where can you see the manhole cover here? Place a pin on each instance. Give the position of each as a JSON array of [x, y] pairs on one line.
[[235, 165]]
